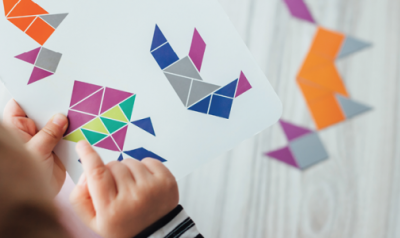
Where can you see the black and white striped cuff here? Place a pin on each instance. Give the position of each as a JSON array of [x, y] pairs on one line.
[[176, 224]]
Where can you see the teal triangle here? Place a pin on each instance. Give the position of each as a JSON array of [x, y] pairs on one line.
[[111, 125], [93, 137], [127, 106]]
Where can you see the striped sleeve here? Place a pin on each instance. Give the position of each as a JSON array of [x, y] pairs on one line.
[[176, 224]]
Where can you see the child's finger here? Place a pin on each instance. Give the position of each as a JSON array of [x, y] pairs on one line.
[[139, 170], [122, 176], [100, 181], [14, 117], [156, 167], [12, 110], [82, 202]]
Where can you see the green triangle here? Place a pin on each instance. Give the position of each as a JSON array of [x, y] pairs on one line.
[[96, 125], [93, 137], [127, 106], [111, 125], [75, 136], [116, 114]]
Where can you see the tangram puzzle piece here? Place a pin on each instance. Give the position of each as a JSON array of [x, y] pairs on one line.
[[299, 10], [142, 153], [305, 148], [101, 116], [184, 77]]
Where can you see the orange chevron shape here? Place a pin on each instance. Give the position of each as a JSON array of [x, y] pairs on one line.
[[22, 22], [27, 8]]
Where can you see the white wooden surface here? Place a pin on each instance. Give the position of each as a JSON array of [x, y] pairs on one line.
[[356, 193]]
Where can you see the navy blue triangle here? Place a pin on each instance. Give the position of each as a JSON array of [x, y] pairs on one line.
[[146, 125], [158, 38], [142, 153], [120, 158], [201, 106], [229, 90]]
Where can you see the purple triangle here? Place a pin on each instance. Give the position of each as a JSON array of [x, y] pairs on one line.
[[82, 90], [113, 97], [107, 144], [30, 56], [120, 136], [293, 132], [76, 120], [38, 74], [91, 104], [284, 155]]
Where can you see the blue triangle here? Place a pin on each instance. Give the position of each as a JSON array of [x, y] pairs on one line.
[[146, 125], [142, 153], [201, 106], [229, 90], [120, 158], [158, 38]]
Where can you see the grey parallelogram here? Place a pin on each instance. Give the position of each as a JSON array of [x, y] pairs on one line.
[[181, 86], [185, 68]]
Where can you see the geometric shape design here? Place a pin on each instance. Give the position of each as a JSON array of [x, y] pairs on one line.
[[48, 60], [142, 153], [284, 155], [22, 23], [308, 150], [93, 137], [201, 106], [38, 74], [40, 31], [76, 120], [165, 56], [29, 56], [243, 85], [184, 67], [314, 61], [197, 49], [116, 114], [127, 106], [107, 144], [91, 104], [54, 20], [145, 124], [350, 107], [293, 132], [82, 90], [75, 136], [27, 8], [120, 158], [158, 39], [327, 43], [326, 111], [351, 45], [312, 91], [221, 106], [200, 90], [120, 136], [113, 97], [8, 5], [96, 125], [111, 125], [229, 90], [181, 86], [299, 9]]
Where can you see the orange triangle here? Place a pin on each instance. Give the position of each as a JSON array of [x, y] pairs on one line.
[[327, 43], [8, 5], [312, 91], [22, 23], [27, 8], [313, 62], [326, 111]]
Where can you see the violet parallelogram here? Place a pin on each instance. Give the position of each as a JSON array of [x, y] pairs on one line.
[[293, 132], [197, 50], [299, 9]]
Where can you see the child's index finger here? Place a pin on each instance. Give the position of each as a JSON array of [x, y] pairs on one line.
[[100, 181]]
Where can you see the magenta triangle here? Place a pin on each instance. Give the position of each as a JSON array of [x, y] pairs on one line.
[[120, 136], [293, 132], [107, 144], [38, 74], [112, 97], [91, 105], [30, 56], [243, 85], [76, 120], [82, 90], [284, 155]]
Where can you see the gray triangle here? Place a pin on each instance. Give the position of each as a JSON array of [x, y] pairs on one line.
[[200, 90], [185, 68], [181, 86], [351, 45], [54, 19], [350, 107]]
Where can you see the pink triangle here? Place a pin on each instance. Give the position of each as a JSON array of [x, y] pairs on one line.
[[82, 90], [108, 144], [120, 136], [113, 97], [91, 104], [38, 74], [243, 85], [284, 155], [76, 120], [293, 132], [30, 56]]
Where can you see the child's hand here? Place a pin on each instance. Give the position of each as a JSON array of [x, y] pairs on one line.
[[121, 199], [39, 143]]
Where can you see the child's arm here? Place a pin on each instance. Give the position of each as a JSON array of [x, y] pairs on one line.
[[129, 198]]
